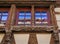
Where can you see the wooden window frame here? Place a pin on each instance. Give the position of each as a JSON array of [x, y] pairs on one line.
[[35, 9], [17, 14], [41, 10]]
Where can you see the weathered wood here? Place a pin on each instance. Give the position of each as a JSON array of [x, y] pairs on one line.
[[32, 10], [34, 28], [52, 39], [53, 18], [32, 39], [27, 0], [8, 23], [9, 36], [51, 13]]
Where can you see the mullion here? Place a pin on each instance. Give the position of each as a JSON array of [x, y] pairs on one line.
[[0, 16]]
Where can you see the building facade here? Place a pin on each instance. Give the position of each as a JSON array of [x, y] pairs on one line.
[[29, 21]]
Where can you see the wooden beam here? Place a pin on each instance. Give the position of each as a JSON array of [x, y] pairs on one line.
[[11, 17], [33, 29], [9, 36], [52, 39], [32, 10], [53, 18], [32, 39]]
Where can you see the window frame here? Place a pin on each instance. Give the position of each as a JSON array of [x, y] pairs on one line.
[[25, 10], [35, 9], [41, 10]]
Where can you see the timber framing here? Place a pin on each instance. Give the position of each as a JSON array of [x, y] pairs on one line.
[[32, 30]]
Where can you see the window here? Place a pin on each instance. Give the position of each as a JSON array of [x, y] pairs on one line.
[[3, 17], [24, 18], [40, 18]]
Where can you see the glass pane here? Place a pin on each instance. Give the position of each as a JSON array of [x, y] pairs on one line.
[[44, 16], [43, 13], [37, 13], [28, 17], [4, 18], [21, 13], [21, 17], [38, 17], [28, 13], [5, 13]]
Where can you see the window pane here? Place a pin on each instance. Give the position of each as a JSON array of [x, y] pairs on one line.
[[5, 13], [38, 17], [21, 17], [44, 17], [37, 13], [28, 13], [21, 13], [4, 18], [43, 13], [28, 17]]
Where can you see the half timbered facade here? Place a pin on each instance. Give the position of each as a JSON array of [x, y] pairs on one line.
[[29, 22]]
